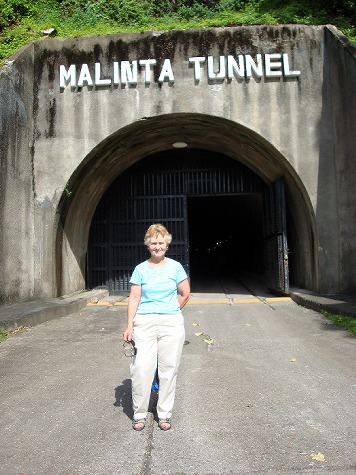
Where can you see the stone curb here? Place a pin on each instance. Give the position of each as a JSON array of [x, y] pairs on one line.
[[336, 304], [33, 313]]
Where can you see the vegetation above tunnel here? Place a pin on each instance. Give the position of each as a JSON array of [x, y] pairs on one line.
[[22, 21]]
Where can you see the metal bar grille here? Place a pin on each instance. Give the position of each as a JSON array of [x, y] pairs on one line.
[[156, 190], [275, 233]]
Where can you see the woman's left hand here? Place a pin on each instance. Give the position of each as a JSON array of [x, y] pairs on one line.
[[184, 292]]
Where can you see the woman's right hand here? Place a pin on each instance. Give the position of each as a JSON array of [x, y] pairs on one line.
[[134, 300], [127, 335]]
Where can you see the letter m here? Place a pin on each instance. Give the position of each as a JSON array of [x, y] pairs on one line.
[[67, 76]]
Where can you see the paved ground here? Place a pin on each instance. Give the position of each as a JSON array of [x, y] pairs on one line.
[[272, 390]]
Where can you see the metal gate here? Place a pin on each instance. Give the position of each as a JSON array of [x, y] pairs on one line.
[[156, 190], [275, 238], [116, 236]]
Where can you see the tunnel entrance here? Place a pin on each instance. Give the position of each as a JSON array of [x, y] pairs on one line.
[[214, 206], [225, 237]]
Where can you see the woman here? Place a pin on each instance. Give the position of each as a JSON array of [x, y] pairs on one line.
[[159, 290]]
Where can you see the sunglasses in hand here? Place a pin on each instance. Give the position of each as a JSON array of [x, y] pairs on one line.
[[130, 349]]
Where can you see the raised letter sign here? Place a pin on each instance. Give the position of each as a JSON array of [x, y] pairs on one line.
[[234, 68], [287, 71], [197, 60], [252, 67], [147, 63], [65, 76], [128, 72], [272, 67], [222, 68], [166, 72], [98, 80], [84, 76], [116, 80]]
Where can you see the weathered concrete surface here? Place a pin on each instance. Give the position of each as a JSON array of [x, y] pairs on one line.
[[274, 390], [61, 148], [17, 234], [32, 313], [336, 100]]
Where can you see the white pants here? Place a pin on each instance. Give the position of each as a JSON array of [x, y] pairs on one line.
[[158, 338]]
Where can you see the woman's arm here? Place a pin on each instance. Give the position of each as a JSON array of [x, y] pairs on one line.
[[134, 300], [183, 292]]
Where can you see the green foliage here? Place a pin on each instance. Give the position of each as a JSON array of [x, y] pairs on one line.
[[231, 5], [163, 8], [133, 11], [293, 12], [22, 20], [310, 11], [4, 334], [91, 12], [12, 11], [196, 10], [86, 16], [11, 39], [344, 321]]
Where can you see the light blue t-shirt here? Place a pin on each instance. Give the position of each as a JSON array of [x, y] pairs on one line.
[[159, 286]]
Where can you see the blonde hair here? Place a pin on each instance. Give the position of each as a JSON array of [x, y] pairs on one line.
[[156, 229]]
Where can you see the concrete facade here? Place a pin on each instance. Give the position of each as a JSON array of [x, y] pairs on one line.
[[287, 113]]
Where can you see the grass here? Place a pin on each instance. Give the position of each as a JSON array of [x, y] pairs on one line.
[[345, 321], [72, 18], [5, 334]]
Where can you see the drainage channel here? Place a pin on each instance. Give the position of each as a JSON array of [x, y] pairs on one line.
[[146, 467]]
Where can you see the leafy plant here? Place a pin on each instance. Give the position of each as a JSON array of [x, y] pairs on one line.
[[231, 5], [133, 11], [163, 8], [13, 10], [195, 11], [4, 334]]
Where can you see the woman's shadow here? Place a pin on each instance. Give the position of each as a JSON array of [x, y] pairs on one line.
[[123, 398]]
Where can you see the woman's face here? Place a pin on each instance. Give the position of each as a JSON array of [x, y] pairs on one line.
[[157, 246]]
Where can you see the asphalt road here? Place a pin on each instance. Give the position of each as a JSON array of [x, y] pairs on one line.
[[272, 390]]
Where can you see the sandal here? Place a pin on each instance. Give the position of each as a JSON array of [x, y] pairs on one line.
[[164, 424], [138, 424]]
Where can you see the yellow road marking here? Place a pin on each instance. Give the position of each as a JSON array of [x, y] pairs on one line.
[[278, 299], [201, 302], [237, 301], [208, 302]]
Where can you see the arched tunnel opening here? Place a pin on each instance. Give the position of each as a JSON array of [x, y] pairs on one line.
[[220, 181], [212, 205]]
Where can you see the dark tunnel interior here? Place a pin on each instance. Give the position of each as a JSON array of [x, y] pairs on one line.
[[225, 236]]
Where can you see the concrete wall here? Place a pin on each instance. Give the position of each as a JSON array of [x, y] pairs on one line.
[[17, 232], [61, 148], [337, 179]]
